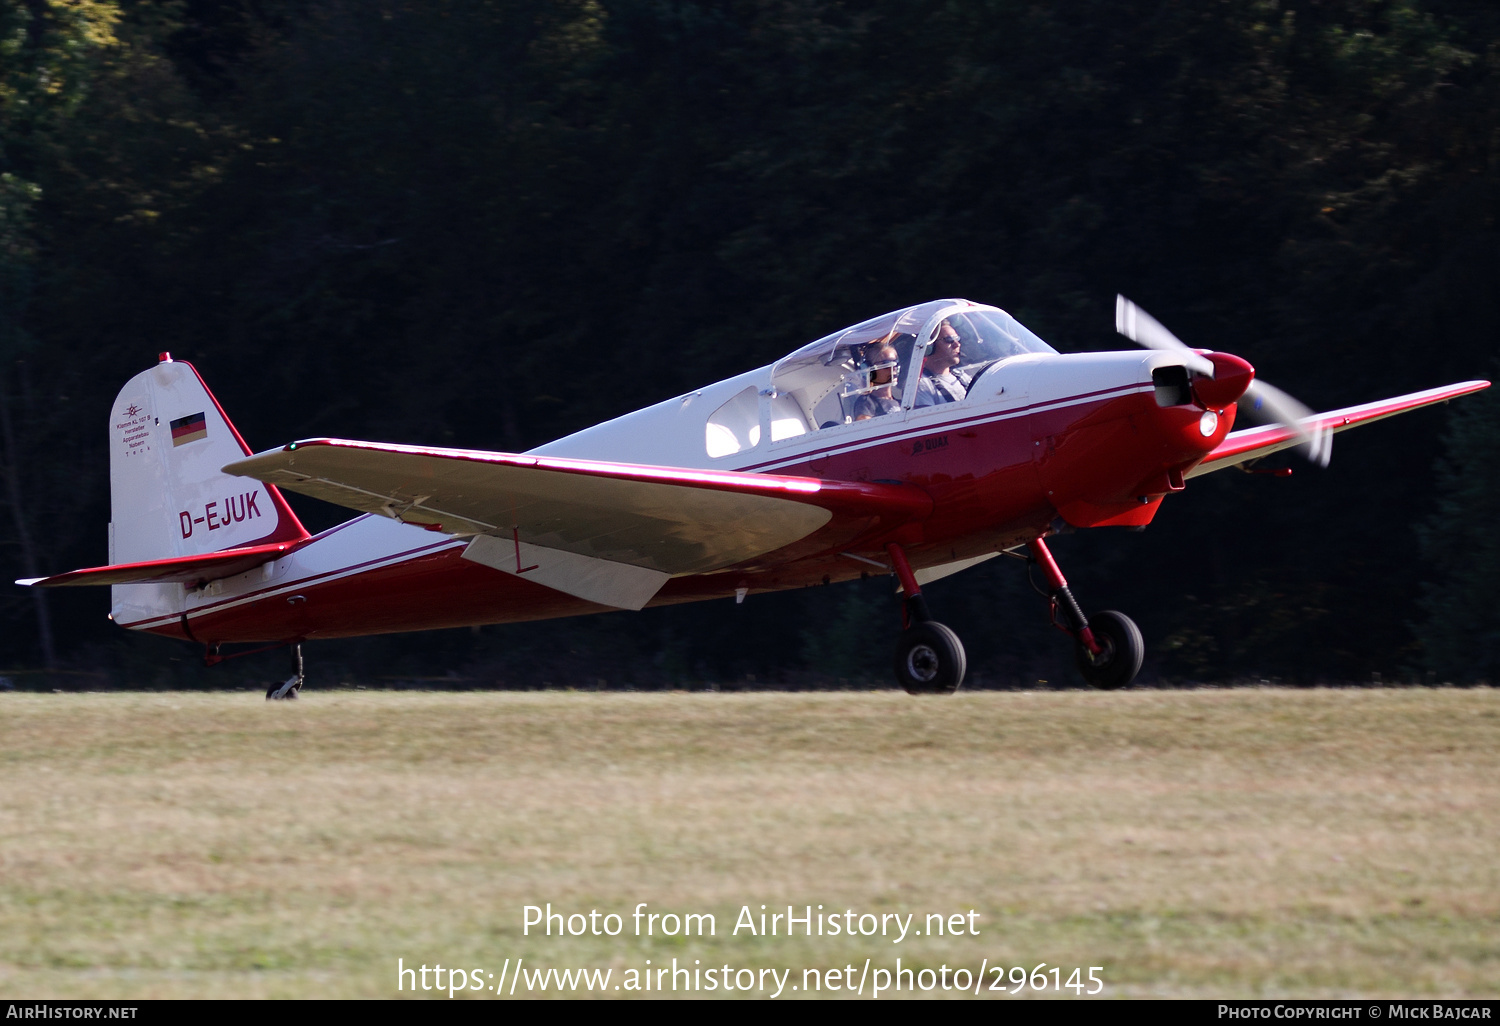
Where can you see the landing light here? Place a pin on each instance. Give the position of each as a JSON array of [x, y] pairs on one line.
[[1208, 423]]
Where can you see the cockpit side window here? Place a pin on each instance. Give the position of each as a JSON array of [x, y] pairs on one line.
[[734, 426], [787, 418]]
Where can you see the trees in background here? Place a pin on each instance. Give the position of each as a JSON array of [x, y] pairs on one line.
[[1460, 632], [488, 224], [51, 54]]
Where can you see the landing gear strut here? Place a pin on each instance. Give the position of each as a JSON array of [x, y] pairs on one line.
[[1108, 647], [930, 659], [293, 684]]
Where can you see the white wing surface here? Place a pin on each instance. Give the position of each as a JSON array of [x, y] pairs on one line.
[[670, 520]]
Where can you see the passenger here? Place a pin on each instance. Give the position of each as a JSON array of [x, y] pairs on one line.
[[941, 381], [881, 358]]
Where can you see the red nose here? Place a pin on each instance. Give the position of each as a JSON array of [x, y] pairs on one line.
[[1232, 376]]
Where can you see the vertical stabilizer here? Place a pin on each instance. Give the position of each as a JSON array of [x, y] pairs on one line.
[[168, 439]]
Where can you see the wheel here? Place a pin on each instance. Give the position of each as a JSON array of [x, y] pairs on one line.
[[1123, 650], [930, 660], [291, 693]]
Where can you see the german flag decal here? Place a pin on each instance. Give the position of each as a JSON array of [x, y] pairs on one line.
[[189, 429]]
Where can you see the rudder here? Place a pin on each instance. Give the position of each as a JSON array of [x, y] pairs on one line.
[[168, 496]]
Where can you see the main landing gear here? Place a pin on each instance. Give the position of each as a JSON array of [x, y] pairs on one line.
[[1107, 646], [930, 659], [293, 684]]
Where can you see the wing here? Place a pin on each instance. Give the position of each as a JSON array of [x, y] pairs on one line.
[[1253, 443], [669, 520]]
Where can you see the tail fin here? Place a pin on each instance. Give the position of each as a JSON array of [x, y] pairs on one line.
[[168, 439]]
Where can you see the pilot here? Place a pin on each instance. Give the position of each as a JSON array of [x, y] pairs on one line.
[[941, 381], [881, 358]]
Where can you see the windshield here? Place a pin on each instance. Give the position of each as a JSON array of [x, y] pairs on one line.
[[991, 335], [861, 372]]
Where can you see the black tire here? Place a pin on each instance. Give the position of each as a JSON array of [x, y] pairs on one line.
[[930, 660], [1124, 648]]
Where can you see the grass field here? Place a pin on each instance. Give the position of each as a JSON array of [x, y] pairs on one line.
[[1214, 843]]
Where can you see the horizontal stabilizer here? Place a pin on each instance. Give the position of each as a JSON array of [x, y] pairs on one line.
[[1254, 443], [672, 520], [191, 570]]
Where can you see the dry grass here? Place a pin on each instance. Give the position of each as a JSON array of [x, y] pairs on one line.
[[1255, 842]]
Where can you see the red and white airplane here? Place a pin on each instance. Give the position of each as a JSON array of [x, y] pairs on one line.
[[915, 444]]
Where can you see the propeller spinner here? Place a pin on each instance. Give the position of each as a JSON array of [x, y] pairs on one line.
[[1221, 375]]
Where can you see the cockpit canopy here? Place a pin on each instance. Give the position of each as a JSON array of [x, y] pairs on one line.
[[872, 368]]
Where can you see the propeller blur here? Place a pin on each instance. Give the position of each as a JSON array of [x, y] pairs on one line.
[[1267, 402]]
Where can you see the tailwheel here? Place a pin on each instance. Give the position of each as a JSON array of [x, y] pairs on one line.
[[1121, 650], [289, 688], [930, 660]]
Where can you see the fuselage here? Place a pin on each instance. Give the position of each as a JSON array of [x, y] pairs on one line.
[[1085, 439]]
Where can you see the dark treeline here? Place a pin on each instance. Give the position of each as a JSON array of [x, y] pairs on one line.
[[487, 224]]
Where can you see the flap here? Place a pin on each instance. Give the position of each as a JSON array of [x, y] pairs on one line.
[[597, 580], [672, 520]]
